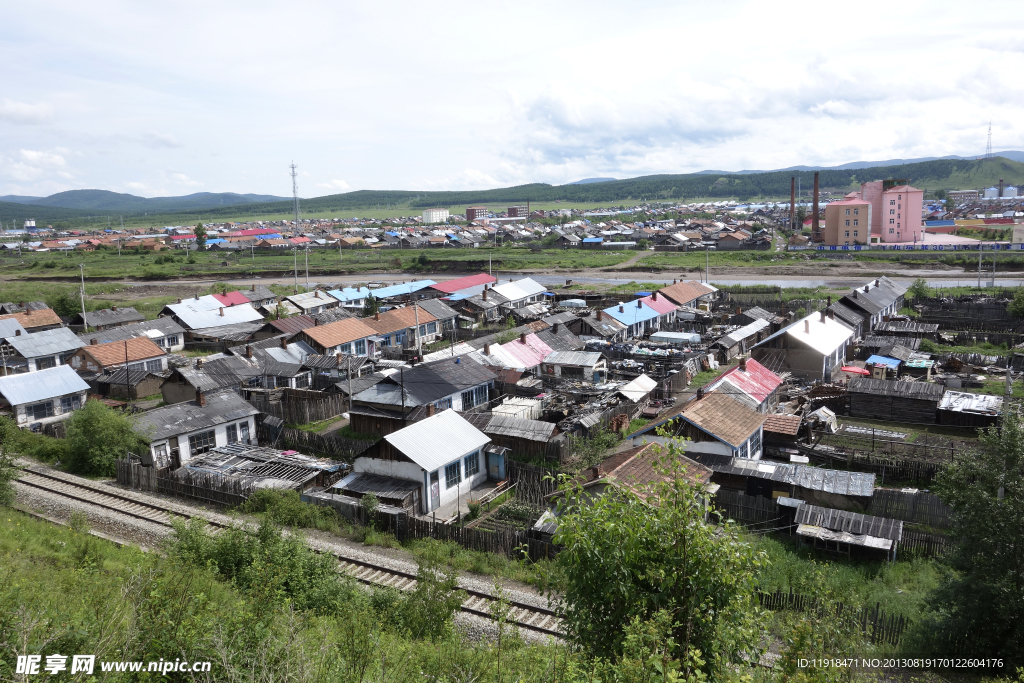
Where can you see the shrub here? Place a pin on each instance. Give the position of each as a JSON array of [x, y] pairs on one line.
[[97, 436], [474, 508], [287, 509]]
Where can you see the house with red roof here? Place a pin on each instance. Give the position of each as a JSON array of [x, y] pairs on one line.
[[232, 298], [449, 287], [750, 383]]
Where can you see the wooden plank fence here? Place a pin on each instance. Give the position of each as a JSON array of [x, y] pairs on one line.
[[921, 544], [511, 543], [891, 469], [532, 483], [875, 623], [748, 510], [311, 443], [917, 508], [298, 406], [878, 445], [204, 486]]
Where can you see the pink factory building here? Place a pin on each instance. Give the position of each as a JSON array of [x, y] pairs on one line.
[[893, 210]]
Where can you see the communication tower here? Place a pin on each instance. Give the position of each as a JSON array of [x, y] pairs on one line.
[[295, 192], [988, 147]]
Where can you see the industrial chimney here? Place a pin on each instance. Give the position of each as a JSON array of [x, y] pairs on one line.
[[814, 215], [792, 203]]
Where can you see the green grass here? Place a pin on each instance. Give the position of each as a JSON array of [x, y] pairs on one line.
[[706, 377], [984, 349], [914, 432], [901, 587]]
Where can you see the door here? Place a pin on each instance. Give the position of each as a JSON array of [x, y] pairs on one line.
[[435, 491], [495, 466]]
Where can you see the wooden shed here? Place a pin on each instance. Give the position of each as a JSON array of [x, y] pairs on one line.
[[880, 399]]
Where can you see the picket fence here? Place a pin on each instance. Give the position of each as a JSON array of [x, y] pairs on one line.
[[875, 623]]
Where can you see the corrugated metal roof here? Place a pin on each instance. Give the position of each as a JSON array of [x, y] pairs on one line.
[[184, 418], [686, 292], [963, 402], [45, 343], [201, 314], [520, 289], [438, 440], [585, 359], [756, 381], [231, 298], [631, 313], [824, 337], [745, 332], [452, 286], [46, 384], [638, 388], [521, 428], [154, 329], [850, 522], [883, 387], [10, 327], [350, 294], [400, 290]]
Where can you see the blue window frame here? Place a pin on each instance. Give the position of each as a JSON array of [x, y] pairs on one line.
[[361, 347], [452, 475], [472, 464]]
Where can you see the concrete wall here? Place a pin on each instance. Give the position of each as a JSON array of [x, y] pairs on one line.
[[23, 420], [220, 438]]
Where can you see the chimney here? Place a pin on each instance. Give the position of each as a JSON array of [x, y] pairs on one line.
[[316, 322], [554, 328], [743, 363], [253, 288], [430, 410], [197, 296], [487, 349], [855, 294], [814, 215], [823, 315], [700, 393], [93, 342], [376, 315], [316, 293], [830, 301], [17, 333], [338, 356], [596, 472], [113, 308], [284, 342], [248, 350], [485, 294], [199, 363], [878, 283], [600, 315], [654, 296], [222, 311], [807, 326], [622, 309], [28, 311], [639, 303], [200, 398], [179, 300], [738, 310], [522, 337], [831, 313]]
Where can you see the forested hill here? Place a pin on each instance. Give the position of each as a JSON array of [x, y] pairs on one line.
[[929, 175]]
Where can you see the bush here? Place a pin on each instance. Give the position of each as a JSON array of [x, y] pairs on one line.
[[287, 509], [928, 346], [97, 436], [474, 508]]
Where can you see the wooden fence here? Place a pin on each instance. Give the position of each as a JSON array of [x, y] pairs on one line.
[[889, 448], [532, 483], [324, 445], [875, 623], [917, 508], [204, 486], [892, 469], [511, 543], [919, 543], [298, 406], [749, 510]]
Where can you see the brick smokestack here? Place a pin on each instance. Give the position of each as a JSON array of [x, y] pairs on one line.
[[522, 337], [814, 215], [600, 315], [248, 350], [200, 399], [743, 363], [284, 342], [792, 203]]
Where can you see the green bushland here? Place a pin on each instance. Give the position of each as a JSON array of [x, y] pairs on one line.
[[287, 509]]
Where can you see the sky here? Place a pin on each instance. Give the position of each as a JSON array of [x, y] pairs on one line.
[[158, 99]]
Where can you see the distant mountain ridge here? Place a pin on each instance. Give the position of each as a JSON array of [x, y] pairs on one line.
[[853, 165], [587, 181], [106, 201]]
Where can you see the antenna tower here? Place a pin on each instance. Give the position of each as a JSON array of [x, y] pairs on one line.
[[988, 147], [295, 191]]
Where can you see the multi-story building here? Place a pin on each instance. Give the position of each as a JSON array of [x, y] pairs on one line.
[[518, 212], [961, 196], [848, 221], [431, 216], [474, 213], [895, 214]]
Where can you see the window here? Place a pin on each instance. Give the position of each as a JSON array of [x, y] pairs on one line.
[[892, 202], [856, 222], [755, 444], [847, 233], [480, 395], [856, 212], [387, 340], [847, 212], [171, 341], [282, 382], [346, 349], [232, 434], [154, 365], [431, 328], [400, 338], [302, 381], [854, 233], [160, 451], [467, 400], [361, 347], [443, 404], [44, 363], [243, 430], [452, 475], [847, 223], [423, 330], [892, 212], [202, 442], [40, 410], [69, 403], [472, 464], [892, 221], [891, 231]]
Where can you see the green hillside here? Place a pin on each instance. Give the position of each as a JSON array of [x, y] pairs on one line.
[[99, 206]]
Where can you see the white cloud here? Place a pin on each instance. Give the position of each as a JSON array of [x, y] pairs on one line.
[[161, 141], [335, 185], [184, 180], [25, 113]]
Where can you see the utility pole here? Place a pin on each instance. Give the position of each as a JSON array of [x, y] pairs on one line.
[[419, 339], [707, 264], [295, 251], [979, 264], [350, 386], [307, 267], [401, 380], [81, 292], [127, 384]]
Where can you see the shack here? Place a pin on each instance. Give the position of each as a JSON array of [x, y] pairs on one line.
[[880, 399], [962, 409], [841, 531]]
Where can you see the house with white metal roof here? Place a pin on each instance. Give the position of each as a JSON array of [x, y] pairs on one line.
[[26, 352], [443, 453], [520, 293], [45, 396], [813, 347], [207, 311]]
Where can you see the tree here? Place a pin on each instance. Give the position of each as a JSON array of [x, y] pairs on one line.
[[981, 603], [1016, 306], [919, 289], [632, 555], [65, 304], [97, 436], [643, 244], [200, 235], [371, 306], [8, 471]]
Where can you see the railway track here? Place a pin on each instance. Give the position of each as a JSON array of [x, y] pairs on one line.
[[531, 617]]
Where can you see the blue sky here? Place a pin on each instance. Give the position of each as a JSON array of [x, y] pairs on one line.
[[173, 98]]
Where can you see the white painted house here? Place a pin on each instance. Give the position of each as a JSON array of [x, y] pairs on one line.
[[44, 396], [443, 453]]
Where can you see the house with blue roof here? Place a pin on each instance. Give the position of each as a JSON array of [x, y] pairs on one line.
[[351, 297], [637, 317], [406, 289], [592, 242]]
